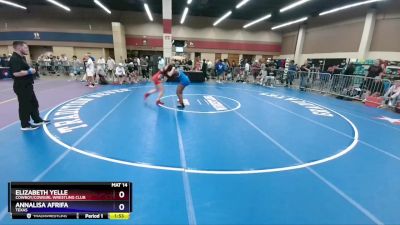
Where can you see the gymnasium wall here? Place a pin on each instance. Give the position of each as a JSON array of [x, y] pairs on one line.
[[340, 37], [289, 43], [90, 24], [385, 41]]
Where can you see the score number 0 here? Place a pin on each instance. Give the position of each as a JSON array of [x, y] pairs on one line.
[[121, 195]]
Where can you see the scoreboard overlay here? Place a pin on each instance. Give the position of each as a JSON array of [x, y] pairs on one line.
[[70, 200]]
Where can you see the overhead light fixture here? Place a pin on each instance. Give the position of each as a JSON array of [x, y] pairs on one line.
[[293, 5], [102, 6], [257, 21], [185, 12], [222, 18], [12, 4], [189, 1], [146, 7], [348, 6], [290, 23], [242, 3], [59, 5]]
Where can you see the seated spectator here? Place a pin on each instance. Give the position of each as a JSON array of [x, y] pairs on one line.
[[392, 96], [266, 78], [375, 88], [132, 75]]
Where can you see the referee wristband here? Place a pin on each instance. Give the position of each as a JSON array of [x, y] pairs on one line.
[[30, 71]]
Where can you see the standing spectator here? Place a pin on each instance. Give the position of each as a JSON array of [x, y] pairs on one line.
[[255, 68], [110, 67], [101, 63], [204, 69], [76, 67], [65, 63], [348, 80], [4, 61], [90, 71], [144, 67], [374, 71], [100, 67], [198, 65], [161, 63], [23, 88], [291, 73], [190, 64], [220, 71], [246, 70], [120, 73], [304, 71]]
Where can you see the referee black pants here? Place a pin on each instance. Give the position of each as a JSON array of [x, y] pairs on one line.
[[28, 103]]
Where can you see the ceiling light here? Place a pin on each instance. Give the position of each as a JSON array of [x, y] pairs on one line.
[[293, 5], [348, 6], [185, 12], [257, 21], [289, 23], [146, 7], [102, 6], [222, 18], [241, 3], [59, 5], [12, 4], [189, 1]]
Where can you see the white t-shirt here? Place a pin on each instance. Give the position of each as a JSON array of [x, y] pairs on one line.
[[110, 64], [119, 71], [247, 67], [161, 64], [101, 64], [90, 67]]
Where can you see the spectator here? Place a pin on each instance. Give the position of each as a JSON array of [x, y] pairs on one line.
[[392, 96], [101, 63], [246, 70], [204, 69], [65, 63], [220, 71], [132, 74], [76, 66], [120, 73], [100, 67], [197, 66], [256, 69], [266, 79], [110, 67], [161, 63], [209, 65], [190, 63], [349, 71], [291, 73], [372, 83], [90, 71], [144, 67]]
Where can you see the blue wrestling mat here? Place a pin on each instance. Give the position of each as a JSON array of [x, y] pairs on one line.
[[237, 154]]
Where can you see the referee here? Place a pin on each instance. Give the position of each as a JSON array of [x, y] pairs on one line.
[[23, 87]]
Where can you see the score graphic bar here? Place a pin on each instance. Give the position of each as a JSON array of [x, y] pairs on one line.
[[107, 200]]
